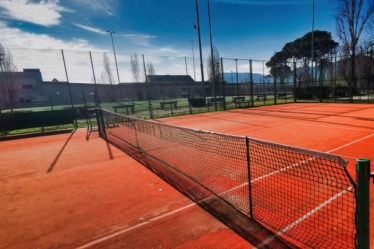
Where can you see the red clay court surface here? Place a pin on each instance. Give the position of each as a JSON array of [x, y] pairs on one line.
[[62, 191]]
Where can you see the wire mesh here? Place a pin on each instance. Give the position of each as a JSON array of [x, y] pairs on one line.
[[304, 196]]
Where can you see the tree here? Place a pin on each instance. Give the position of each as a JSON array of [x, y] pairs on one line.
[[135, 67], [107, 75], [351, 20], [299, 50], [8, 84], [214, 68], [278, 66], [150, 68]]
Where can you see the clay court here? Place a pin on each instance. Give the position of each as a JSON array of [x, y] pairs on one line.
[[64, 191]]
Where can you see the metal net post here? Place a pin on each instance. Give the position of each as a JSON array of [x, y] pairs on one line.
[[363, 203]]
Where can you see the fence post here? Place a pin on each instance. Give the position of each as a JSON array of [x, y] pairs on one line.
[[189, 98], [251, 82], [69, 89], [185, 62], [263, 82], [99, 116], [275, 89], [148, 90], [320, 85], [363, 203], [249, 176], [237, 78], [294, 81], [368, 85], [223, 85]]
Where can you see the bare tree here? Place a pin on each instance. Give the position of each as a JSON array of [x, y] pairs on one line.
[[107, 75], [150, 68], [351, 20], [8, 84], [216, 68], [135, 67]]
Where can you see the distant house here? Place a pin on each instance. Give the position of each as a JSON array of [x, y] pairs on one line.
[[19, 89], [170, 79]]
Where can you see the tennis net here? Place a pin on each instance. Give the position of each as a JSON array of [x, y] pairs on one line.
[[304, 197]]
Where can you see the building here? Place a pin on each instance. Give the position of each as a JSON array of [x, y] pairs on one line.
[[28, 89], [170, 79], [18, 89]]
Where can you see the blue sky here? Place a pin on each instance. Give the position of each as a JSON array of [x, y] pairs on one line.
[[241, 28], [253, 28]]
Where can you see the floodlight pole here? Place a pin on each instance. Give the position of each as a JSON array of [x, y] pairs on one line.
[[201, 52], [114, 52], [193, 59]]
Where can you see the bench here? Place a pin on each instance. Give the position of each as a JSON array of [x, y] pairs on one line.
[[282, 95], [239, 99], [240, 102], [259, 97], [171, 104], [128, 107], [219, 100]]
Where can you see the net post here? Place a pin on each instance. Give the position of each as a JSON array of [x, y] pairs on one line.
[[249, 176], [363, 203]]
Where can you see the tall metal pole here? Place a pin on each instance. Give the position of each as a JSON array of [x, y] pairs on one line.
[[312, 52], [212, 57], [114, 52], [193, 59], [201, 52]]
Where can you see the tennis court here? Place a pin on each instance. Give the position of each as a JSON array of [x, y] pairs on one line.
[[305, 199]]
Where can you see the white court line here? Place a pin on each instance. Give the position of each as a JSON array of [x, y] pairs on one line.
[[356, 141], [310, 213], [92, 243], [102, 239]]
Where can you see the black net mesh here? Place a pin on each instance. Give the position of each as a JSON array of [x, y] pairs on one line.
[[302, 198]]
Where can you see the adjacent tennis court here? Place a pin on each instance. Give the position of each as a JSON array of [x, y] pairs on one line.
[[289, 169]]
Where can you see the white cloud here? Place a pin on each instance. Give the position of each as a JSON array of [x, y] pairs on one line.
[[106, 6], [30, 50], [17, 38], [45, 12], [91, 29]]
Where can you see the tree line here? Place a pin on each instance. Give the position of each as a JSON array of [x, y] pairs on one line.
[[355, 26]]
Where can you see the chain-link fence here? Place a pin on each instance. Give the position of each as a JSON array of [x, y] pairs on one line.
[[70, 82]]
